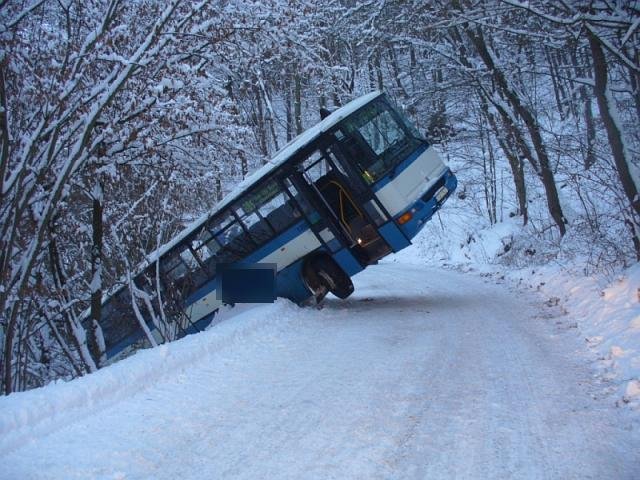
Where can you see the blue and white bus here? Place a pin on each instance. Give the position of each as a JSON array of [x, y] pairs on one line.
[[354, 188]]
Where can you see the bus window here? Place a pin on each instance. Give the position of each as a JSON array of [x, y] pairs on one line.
[[213, 246], [229, 234], [235, 244], [386, 138], [381, 132], [119, 315], [267, 212], [264, 194], [250, 219], [299, 200], [174, 267], [205, 245], [189, 259], [258, 229], [315, 166], [216, 224], [279, 212]]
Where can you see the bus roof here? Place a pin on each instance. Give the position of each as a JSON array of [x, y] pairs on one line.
[[278, 159]]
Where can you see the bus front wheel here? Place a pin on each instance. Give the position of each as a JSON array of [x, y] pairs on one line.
[[324, 272]]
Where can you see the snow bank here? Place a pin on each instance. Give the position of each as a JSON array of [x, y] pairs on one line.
[[607, 315], [59, 403]]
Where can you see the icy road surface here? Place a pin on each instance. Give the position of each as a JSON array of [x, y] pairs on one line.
[[423, 373]]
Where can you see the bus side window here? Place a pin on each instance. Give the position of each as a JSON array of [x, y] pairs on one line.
[[217, 224], [299, 199], [229, 234], [235, 243], [204, 245], [258, 229], [315, 166], [173, 267], [279, 212], [118, 319], [189, 259]]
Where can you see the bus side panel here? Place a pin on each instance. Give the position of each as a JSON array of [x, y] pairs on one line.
[[205, 304], [394, 236], [282, 250], [347, 262], [289, 283], [286, 249]]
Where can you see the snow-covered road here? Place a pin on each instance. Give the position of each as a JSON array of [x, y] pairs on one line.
[[423, 373]]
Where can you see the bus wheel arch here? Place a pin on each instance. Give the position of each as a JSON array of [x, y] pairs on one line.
[[322, 274]]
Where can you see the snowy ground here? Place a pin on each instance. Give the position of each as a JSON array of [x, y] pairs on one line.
[[598, 307], [423, 373]]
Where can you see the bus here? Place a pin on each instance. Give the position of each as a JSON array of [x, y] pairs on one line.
[[354, 188]]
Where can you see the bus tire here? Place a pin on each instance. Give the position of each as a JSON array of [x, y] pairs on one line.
[[312, 281], [333, 277]]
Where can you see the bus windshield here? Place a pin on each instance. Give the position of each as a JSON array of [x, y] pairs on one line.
[[377, 139]]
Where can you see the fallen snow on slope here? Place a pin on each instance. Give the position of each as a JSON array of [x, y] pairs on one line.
[[605, 315], [423, 373]]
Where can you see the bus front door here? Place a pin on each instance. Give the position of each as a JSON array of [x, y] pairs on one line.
[[350, 221]]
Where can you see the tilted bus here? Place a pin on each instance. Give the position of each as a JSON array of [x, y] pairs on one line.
[[354, 188]]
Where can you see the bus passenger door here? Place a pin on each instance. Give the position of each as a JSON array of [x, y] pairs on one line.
[[332, 195]]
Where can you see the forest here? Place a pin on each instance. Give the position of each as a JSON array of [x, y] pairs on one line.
[[123, 120]]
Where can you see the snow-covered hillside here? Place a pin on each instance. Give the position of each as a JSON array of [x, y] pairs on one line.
[[422, 373]]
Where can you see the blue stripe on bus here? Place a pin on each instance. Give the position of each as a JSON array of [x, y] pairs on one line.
[[125, 343], [277, 242], [200, 324], [399, 168]]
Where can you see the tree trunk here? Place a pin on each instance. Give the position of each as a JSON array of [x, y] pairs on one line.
[[393, 60], [260, 123], [96, 340], [378, 67], [509, 148], [288, 112], [75, 330], [608, 110], [590, 155], [513, 144], [297, 104], [634, 81], [609, 116], [545, 171], [555, 81]]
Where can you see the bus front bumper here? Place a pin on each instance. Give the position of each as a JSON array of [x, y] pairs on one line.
[[428, 204]]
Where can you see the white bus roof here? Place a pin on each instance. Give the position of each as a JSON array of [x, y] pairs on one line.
[[278, 159]]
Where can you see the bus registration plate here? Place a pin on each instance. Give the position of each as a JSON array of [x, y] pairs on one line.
[[441, 193]]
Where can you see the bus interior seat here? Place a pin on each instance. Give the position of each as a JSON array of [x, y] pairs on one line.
[[281, 217], [260, 232]]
